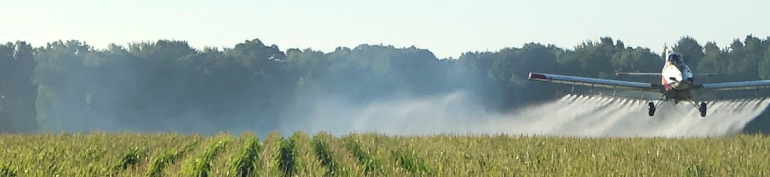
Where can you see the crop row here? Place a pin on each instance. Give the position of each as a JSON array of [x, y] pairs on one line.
[[371, 154]]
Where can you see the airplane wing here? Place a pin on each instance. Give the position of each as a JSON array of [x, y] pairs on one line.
[[659, 74], [594, 82], [745, 85], [705, 74], [637, 74]]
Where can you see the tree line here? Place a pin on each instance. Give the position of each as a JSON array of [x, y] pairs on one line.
[[169, 85]]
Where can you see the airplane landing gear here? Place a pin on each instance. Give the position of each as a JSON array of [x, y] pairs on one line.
[[651, 108], [701, 108]]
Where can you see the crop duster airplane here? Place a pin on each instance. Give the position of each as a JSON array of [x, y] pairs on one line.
[[677, 83]]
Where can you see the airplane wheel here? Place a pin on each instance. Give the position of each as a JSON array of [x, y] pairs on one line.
[[651, 109], [703, 109]]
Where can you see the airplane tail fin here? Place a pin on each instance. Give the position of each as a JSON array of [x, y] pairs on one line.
[[665, 52]]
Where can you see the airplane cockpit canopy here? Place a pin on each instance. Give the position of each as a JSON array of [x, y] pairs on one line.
[[675, 58]]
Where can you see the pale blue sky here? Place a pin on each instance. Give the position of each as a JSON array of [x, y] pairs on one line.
[[448, 28]]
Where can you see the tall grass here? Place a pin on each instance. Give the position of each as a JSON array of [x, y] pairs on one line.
[[271, 147], [370, 154], [171, 156], [7, 170], [200, 166], [246, 161], [326, 156], [371, 162]]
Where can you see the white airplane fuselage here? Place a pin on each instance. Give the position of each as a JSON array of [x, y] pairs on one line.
[[677, 78]]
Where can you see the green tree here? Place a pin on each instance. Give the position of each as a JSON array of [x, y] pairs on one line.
[[764, 65], [62, 84], [17, 92], [691, 51], [714, 60]]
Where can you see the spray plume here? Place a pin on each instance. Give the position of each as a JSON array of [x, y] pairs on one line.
[[572, 115]]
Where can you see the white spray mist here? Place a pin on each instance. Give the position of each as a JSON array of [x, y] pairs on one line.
[[572, 115]]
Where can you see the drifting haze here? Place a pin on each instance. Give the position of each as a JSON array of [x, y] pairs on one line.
[[572, 115], [170, 86]]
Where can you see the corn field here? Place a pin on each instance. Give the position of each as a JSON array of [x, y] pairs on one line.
[[372, 154]]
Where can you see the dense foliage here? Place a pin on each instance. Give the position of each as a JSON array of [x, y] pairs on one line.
[[168, 85], [299, 154]]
